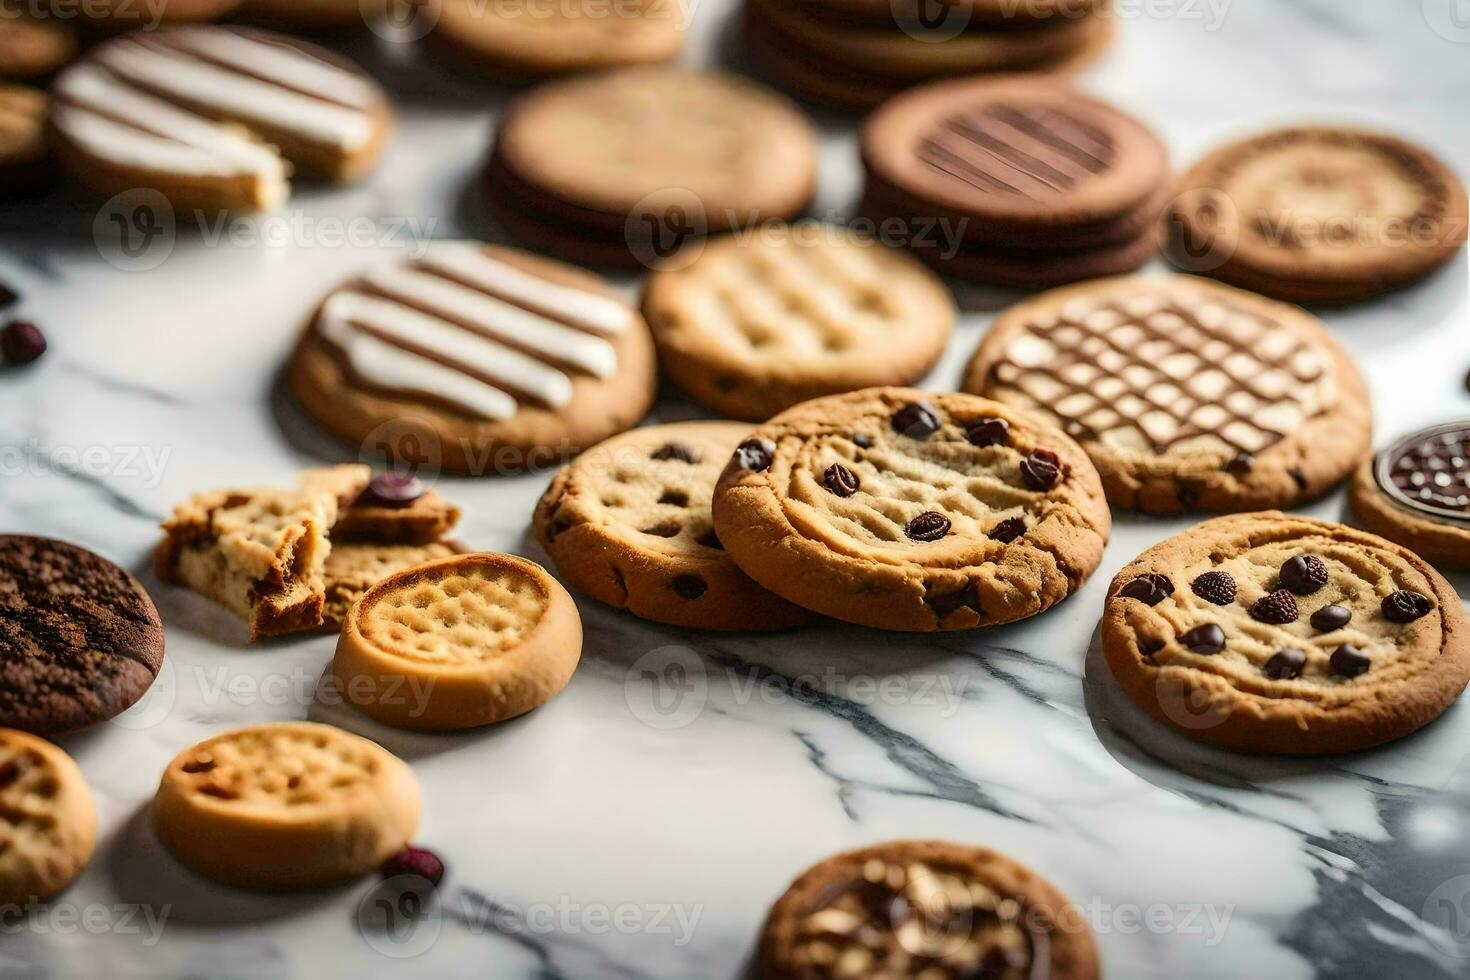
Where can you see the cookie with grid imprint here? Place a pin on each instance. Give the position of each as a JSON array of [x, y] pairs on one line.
[[758, 323], [629, 523], [913, 511], [1188, 395], [1276, 633], [1416, 492], [48, 824]]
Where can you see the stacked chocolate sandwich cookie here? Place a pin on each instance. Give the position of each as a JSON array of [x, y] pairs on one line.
[[1015, 182]]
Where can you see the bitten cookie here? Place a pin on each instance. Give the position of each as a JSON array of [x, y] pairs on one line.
[[25, 160], [913, 511], [1188, 395], [215, 118], [1276, 633], [48, 825], [30, 46], [629, 523], [499, 359], [759, 323], [459, 643], [285, 806], [353, 568], [928, 909], [80, 639], [1417, 493]]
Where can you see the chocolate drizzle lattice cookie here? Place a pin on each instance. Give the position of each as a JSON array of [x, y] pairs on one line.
[[1277, 633], [906, 510], [1417, 493], [1187, 395]]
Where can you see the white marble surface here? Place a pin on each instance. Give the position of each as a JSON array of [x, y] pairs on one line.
[[603, 837]]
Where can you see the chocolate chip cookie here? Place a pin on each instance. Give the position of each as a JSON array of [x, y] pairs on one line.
[[930, 909], [48, 823], [1276, 633], [907, 510], [1417, 493], [1188, 395], [80, 640]]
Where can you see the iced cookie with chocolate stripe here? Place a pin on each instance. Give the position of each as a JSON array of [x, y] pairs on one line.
[[215, 118], [913, 511], [504, 360], [48, 823], [933, 910], [1277, 633], [1188, 395], [1417, 493]]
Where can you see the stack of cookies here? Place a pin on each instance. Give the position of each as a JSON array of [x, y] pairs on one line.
[[1018, 182]]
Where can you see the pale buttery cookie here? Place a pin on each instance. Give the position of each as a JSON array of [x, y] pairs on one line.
[[458, 643], [533, 38], [25, 160], [1276, 633], [215, 118], [913, 511], [285, 806], [934, 910], [31, 46], [48, 825], [311, 15], [758, 323], [503, 360], [1319, 215], [629, 523], [80, 639], [1188, 395], [1417, 493], [128, 15]]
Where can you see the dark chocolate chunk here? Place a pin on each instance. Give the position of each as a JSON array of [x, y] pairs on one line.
[[711, 540], [1299, 477], [391, 489], [1008, 530], [1404, 606], [917, 421], [1278, 608], [1304, 574], [1041, 470], [1150, 589], [951, 602], [928, 526], [21, 342], [690, 586], [1208, 638], [989, 432], [1217, 588], [1241, 464], [1349, 661], [676, 451], [1330, 618], [841, 480], [756, 455], [1285, 665]]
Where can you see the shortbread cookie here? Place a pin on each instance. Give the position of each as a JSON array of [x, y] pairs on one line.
[[1277, 633], [1417, 493], [31, 46], [629, 523], [458, 643], [129, 15], [1188, 395], [382, 508], [25, 160], [48, 825], [757, 323], [215, 118], [311, 15], [285, 806], [352, 568], [503, 359], [535, 38], [913, 511], [80, 640], [1319, 215], [929, 909]]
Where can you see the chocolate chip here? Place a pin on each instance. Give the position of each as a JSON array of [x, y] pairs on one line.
[[1208, 638], [711, 540], [1285, 665], [1149, 589], [989, 432], [21, 342], [8, 296], [1008, 530], [1330, 618], [391, 490], [1304, 574], [666, 529], [1187, 494], [676, 451], [1349, 661], [756, 455], [690, 586], [1278, 608], [862, 441], [1299, 477], [929, 526], [1042, 469], [1241, 464], [841, 480], [952, 602], [1217, 588], [917, 421], [1404, 606]]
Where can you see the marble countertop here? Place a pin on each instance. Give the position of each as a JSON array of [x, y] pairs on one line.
[[642, 822]]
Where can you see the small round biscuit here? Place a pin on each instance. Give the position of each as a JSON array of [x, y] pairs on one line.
[[458, 643], [25, 160], [127, 15], [48, 825], [913, 511], [1417, 493], [629, 523], [1275, 633], [784, 314], [30, 46], [285, 806], [917, 908]]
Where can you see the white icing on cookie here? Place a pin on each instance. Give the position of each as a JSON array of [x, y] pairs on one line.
[[280, 63]]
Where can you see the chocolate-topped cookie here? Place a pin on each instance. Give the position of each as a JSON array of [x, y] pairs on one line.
[[80, 640], [1417, 493]]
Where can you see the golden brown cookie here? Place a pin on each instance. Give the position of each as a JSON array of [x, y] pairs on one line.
[[913, 511], [458, 643], [25, 160], [934, 910], [382, 508], [1276, 633], [129, 15], [285, 806], [355, 567], [1417, 493], [31, 46], [48, 825], [760, 322], [629, 523], [978, 13], [497, 359], [1188, 395]]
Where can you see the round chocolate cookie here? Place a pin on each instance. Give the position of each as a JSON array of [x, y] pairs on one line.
[[1188, 395], [929, 909], [80, 640], [1417, 493], [913, 511], [1276, 633]]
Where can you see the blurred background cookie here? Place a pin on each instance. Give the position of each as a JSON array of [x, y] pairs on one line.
[[1416, 493], [32, 46], [128, 15], [48, 823], [25, 159], [311, 15]]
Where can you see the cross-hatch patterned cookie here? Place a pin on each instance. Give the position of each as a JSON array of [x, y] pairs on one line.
[[47, 823], [276, 770], [1037, 152], [455, 615]]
